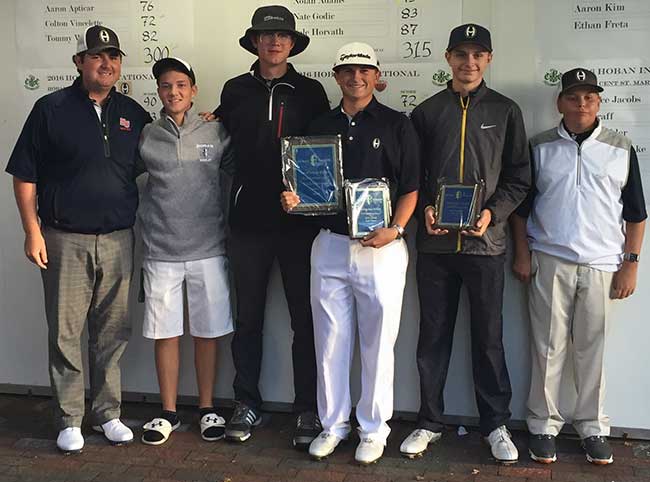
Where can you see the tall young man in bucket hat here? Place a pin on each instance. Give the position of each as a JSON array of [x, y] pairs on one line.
[[580, 229], [470, 135], [184, 239], [77, 156], [258, 108], [358, 285]]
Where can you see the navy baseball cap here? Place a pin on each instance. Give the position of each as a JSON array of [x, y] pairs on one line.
[[173, 63], [579, 77], [470, 33]]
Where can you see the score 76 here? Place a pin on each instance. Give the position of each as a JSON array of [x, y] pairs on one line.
[[147, 5]]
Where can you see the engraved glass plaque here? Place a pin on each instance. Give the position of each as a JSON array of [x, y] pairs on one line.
[[457, 206], [368, 206], [312, 168]]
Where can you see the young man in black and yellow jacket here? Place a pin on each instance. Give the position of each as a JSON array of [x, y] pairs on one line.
[[470, 134]]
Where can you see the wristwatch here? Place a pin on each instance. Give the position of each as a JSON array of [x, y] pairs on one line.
[[631, 257], [400, 231]]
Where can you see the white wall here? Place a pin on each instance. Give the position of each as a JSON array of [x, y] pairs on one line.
[[23, 350]]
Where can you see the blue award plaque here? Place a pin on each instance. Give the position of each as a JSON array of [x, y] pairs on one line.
[[312, 169], [368, 205], [457, 206]]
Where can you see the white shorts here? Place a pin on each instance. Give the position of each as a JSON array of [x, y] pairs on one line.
[[208, 298]]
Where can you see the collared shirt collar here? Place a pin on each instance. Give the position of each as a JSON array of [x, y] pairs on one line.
[[190, 117], [476, 93], [564, 133], [287, 77], [372, 108], [81, 89]]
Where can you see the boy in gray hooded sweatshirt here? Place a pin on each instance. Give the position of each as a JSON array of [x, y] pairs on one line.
[[184, 233]]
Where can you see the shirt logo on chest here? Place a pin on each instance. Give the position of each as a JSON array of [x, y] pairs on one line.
[[376, 143], [204, 151], [125, 124]]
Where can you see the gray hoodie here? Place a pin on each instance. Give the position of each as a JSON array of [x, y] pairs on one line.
[[183, 205]]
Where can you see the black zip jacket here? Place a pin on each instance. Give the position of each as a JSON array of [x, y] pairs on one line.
[[257, 115], [84, 168], [483, 141]]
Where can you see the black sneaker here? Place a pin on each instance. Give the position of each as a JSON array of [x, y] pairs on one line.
[[541, 448], [242, 421], [598, 450], [307, 429]]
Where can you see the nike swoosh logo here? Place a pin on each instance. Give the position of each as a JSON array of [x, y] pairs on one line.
[[483, 126]]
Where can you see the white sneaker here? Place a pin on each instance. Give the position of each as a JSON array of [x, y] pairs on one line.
[[503, 449], [115, 431], [70, 440], [323, 445], [369, 451], [417, 442]]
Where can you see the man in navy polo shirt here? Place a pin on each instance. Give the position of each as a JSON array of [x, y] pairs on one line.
[[357, 285], [74, 169]]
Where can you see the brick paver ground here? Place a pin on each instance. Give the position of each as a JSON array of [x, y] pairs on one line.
[[28, 453]]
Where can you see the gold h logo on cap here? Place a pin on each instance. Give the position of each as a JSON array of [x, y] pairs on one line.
[[580, 75], [103, 36], [470, 31]]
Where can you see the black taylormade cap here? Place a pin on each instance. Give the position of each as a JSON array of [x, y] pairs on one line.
[[580, 77], [470, 33]]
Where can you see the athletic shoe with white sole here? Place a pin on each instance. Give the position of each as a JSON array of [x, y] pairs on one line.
[[323, 445], [417, 442], [541, 448], [115, 432], [241, 423], [501, 445], [70, 440], [369, 451], [598, 450]]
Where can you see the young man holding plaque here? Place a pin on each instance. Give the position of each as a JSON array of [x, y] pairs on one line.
[[471, 136], [74, 168], [581, 229], [258, 108], [358, 284], [184, 238]]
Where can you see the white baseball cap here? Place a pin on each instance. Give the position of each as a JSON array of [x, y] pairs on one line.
[[356, 53]]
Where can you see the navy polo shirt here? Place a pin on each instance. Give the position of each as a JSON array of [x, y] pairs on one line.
[[84, 168], [378, 142]]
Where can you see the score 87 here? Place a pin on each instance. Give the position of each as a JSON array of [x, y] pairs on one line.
[[409, 13]]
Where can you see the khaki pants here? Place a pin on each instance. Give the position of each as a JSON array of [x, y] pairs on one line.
[[569, 306], [87, 278]]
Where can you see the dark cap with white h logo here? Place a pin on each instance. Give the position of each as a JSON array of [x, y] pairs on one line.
[[470, 33], [579, 77], [96, 39]]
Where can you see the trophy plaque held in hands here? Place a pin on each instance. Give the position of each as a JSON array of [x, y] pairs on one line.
[[368, 206], [312, 168], [458, 206]]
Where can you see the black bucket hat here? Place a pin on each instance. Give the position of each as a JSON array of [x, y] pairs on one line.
[[274, 18]]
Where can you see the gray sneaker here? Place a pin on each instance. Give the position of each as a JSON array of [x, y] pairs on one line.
[[598, 450], [541, 448], [241, 423]]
